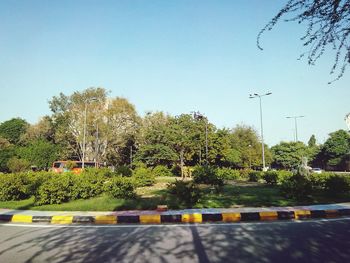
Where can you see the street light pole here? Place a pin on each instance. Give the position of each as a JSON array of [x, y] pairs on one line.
[[252, 96], [295, 125], [84, 131], [198, 116], [84, 137]]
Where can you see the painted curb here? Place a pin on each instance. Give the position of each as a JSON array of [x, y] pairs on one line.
[[189, 218]]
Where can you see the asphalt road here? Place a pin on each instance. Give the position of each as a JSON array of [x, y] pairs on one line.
[[303, 241]]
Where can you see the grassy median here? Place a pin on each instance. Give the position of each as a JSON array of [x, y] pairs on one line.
[[234, 194]]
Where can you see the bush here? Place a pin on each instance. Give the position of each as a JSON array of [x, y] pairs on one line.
[[120, 187], [186, 193], [13, 187], [228, 174], [297, 186], [337, 185], [283, 176], [88, 184], [161, 170], [207, 175], [254, 176], [123, 170], [35, 180], [318, 181], [57, 189], [143, 177], [271, 177], [244, 174]]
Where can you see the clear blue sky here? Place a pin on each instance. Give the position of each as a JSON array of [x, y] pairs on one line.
[[175, 56]]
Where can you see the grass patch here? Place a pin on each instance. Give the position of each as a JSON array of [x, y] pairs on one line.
[[235, 194]]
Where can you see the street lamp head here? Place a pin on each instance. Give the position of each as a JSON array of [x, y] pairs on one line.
[[269, 93]]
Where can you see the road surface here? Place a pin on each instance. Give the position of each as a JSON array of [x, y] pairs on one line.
[[289, 241]]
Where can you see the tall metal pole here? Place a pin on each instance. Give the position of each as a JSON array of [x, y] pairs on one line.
[[84, 132], [255, 95], [206, 141], [262, 136], [84, 135], [295, 125]]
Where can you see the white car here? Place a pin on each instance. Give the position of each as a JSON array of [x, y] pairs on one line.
[[316, 170]]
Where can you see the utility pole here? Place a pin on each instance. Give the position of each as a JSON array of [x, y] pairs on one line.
[[252, 96], [295, 125]]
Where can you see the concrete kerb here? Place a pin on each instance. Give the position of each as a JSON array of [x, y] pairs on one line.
[[177, 216]]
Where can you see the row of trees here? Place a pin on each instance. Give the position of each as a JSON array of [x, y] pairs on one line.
[[109, 130]]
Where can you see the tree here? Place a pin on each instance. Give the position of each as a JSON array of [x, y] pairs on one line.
[[154, 140], [335, 151], [7, 151], [40, 153], [17, 165], [121, 125], [13, 129], [312, 141], [43, 130], [246, 148], [183, 138], [327, 25], [287, 155]]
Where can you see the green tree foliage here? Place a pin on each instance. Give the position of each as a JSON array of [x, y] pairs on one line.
[[183, 138], [312, 141], [40, 153], [16, 165], [110, 125], [327, 26], [334, 153], [6, 152], [153, 140], [13, 129], [245, 148], [43, 130], [287, 155]]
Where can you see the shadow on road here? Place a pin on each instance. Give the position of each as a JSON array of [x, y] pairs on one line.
[[268, 242]]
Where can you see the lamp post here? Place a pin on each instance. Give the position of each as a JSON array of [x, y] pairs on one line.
[[198, 116], [84, 131], [295, 125], [250, 156], [252, 96]]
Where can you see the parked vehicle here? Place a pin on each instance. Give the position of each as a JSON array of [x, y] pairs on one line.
[[72, 166], [316, 170]]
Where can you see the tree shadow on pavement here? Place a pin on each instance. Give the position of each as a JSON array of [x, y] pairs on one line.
[[319, 241]]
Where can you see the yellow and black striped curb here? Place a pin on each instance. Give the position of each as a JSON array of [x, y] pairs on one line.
[[177, 218]]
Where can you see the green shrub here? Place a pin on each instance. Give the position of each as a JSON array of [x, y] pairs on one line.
[[57, 189], [207, 175], [297, 186], [161, 170], [283, 175], [123, 170], [143, 177], [186, 193], [228, 173], [13, 187], [88, 184], [120, 187], [244, 174], [254, 176], [271, 177], [318, 181], [36, 179], [337, 185]]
